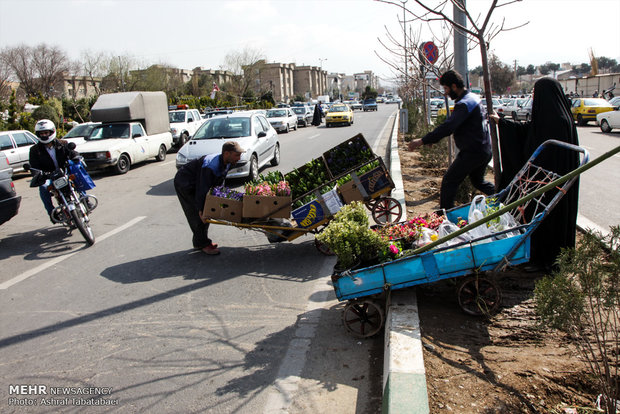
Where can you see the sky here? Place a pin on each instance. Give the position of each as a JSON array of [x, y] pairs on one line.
[[338, 35]]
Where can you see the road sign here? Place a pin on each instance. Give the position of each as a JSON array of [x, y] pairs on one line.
[[430, 52]]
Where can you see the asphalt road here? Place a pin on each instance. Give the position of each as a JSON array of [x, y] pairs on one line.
[[599, 189], [169, 329]]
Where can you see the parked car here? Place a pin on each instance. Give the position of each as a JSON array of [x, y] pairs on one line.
[[216, 112], [586, 109], [339, 114], [608, 120], [80, 132], [370, 104], [435, 104], [513, 105], [524, 113], [9, 200], [15, 145], [304, 115], [615, 101], [442, 110], [282, 119], [183, 123], [251, 130]]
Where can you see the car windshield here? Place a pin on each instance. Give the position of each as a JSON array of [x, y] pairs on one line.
[[338, 108], [80, 131], [596, 102], [217, 128], [299, 110], [109, 131], [276, 114], [176, 116]]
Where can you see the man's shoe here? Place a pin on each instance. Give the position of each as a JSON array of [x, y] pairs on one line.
[[211, 250]]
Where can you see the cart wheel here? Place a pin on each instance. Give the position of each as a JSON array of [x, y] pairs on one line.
[[386, 210], [363, 319], [479, 296], [323, 248], [370, 204]]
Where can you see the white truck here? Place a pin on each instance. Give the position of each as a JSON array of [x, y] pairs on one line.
[[134, 127], [183, 123]]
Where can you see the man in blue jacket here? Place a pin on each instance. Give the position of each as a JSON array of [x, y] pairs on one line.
[[192, 183], [470, 127]]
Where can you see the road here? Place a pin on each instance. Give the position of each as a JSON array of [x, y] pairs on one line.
[[167, 328], [599, 192]]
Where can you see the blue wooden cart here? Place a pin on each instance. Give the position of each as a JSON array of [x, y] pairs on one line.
[[529, 198]]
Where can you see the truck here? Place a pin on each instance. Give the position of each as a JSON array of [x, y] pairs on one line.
[[184, 122], [134, 127]]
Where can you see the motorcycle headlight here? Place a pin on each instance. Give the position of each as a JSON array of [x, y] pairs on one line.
[[61, 182]]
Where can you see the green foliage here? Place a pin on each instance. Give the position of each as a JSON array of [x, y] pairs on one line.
[[369, 93], [349, 237], [582, 298], [46, 111]]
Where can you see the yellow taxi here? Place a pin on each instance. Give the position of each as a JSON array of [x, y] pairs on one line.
[[339, 114], [586, 109], [442, 111]]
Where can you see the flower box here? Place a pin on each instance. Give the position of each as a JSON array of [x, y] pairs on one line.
[[220, 208], [376, 181], [348, 154], [310, 215], [255, 206]]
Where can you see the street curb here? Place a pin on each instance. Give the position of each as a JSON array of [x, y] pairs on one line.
[[404, 376]]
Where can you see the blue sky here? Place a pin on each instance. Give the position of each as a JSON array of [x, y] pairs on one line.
[[343, 33]]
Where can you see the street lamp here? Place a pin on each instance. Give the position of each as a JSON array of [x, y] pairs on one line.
[[322, 60]]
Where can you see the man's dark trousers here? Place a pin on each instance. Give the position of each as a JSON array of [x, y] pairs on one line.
[[199, 228], [466, 163]]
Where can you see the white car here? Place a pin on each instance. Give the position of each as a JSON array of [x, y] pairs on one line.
[[183, 124], [282, 119], [16, 146], [250, 129], [609, 120], [119, 145], [80, 132]]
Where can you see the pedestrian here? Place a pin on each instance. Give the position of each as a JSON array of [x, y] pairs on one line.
[[318, 115], [192, 183], [48, 155], [471, 135], [551, 119]]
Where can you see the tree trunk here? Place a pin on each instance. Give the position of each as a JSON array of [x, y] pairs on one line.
[[497, 173]]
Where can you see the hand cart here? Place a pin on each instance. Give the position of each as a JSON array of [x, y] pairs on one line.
[[529, 198]]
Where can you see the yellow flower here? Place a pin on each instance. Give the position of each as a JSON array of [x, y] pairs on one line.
[[434, 237]]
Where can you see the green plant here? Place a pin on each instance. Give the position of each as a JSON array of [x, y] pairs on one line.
[[582, 299]]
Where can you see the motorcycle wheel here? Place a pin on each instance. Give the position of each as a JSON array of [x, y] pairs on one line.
[[81, 221]]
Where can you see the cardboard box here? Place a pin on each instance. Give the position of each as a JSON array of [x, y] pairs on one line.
[[350, 192], [376, 180], [332, 201], [219, 208], [255, 206], [309, 215]]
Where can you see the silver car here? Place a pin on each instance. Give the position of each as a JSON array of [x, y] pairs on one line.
[[304, 115], [16, 146], [282, 119], [251, 130]]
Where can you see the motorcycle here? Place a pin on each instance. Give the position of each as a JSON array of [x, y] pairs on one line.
[[74, 206]]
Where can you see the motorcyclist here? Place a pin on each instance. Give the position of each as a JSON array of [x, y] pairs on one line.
[[48, 155]]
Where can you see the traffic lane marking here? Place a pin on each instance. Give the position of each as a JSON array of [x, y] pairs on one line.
[[55, 261]]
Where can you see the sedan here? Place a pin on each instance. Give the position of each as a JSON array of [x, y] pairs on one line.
[[512, 106], [80, 132], [282, 119], [304, 115], [251, 130], [524, 113], [9, 200], [586, 109], [609, 120], [339, 114], [15, 145]]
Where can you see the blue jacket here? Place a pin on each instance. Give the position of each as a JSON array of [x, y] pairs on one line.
[[201, 175], [469, 125]]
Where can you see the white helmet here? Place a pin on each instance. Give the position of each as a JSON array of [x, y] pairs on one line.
[[45, 125]]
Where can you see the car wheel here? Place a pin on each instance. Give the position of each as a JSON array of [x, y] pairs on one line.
[[287, 129], [161, 154], [295, 127], [276, 156], [605, 126], [253, 175], [580, 121], [123, 164], [514, 116], [184, 138]]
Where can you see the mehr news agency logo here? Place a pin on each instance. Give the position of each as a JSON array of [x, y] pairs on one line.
[[44, 395]]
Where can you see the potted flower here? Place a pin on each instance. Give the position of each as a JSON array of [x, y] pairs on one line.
[[264, 200], [223, 203]]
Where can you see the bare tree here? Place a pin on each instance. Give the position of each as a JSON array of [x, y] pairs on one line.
[[94, 66], [5, 79], [481, 32], [245, 66], [19, 60]]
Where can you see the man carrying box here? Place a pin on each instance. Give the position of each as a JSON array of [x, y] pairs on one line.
[[192, 184]]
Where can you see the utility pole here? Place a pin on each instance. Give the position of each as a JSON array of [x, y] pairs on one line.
[[460, 42], [405, 47]]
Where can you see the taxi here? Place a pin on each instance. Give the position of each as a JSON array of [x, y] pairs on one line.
[[586, 109], [442, 111], [339, 114]]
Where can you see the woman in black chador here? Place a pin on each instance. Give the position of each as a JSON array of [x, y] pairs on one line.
[[551, 119], [318, 115]]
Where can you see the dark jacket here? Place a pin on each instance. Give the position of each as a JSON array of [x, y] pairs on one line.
[[40, 159], [467, 123], [200, 176]]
